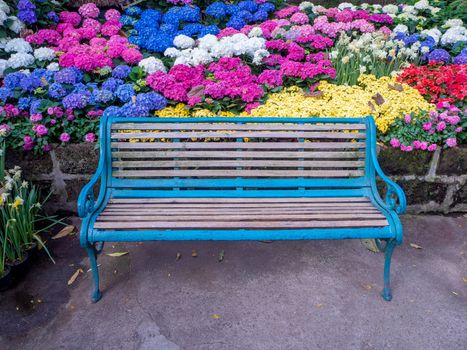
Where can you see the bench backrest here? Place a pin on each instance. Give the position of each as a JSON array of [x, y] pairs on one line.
[[237, 154]]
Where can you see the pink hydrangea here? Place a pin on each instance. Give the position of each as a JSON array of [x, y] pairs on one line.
[[132, 55], [110, 28], [92, 23], [72, 18], [299, 18], [432, 147], [112, 15], [451, 142], [65, 137], [89, 10], [90, 137], [286, 12]]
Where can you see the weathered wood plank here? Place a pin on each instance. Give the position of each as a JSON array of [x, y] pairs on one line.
[[237, 206], [236, 173], [223, 126], [238, 154], [244, 217], [220, 225], [239, 134], [237, 145], [238, 163], [239, 200]]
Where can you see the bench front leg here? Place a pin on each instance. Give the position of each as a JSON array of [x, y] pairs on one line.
[[96, 294], [386, 293]]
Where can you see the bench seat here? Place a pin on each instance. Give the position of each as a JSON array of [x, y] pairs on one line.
[[238, 179]]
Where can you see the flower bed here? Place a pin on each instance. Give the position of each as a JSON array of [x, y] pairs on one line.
[[404, 65]]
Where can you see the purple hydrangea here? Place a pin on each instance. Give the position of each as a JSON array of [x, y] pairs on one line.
[[5, 94], [121, 72], [460, 59], [102, 96], [56, 90], [125, 92], [67, 76], [112, 84], [26, 12], [30, 82], [151, 101], [439, 55], [75, 101]]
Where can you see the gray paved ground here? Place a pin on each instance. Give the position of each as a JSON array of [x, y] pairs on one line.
[[281, 295]]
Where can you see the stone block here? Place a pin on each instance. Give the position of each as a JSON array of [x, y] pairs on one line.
[[31, 164], [78, 158], [453, 161], [396, 162]]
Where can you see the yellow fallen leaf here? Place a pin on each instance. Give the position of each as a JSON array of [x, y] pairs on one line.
[[66, 231], [74, 276], [465, 280], [415, 246], [117, 254], [194, 254], [216, 316]]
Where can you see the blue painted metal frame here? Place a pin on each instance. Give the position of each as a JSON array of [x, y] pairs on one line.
[[365, 186]]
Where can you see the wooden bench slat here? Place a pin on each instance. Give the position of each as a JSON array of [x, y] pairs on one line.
[[239, 200], [232, 126], [221, 225], [237, 145], [238, 206], [244, 217], [238, 163], [236, 173], [237, 154], [222, 211], [239, 134]]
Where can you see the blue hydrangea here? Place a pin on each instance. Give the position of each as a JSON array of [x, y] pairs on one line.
[[192, 29], [236, 22], [411, 39], [57, 90], [112, 111], [143, 25], [27, 12], [151, 15], [135, 40], [24, 103], [260, 16], [68, 76], [112, 84], [246, 16], [189, 14], [232, 9], [158, 43], [168, 28], [125, 92], [127, 20], [133, 11], [121, 72], [439, 55], [212, 29], [35, 106], [172, 15], [53, 16], [428, 42], [5, 94], [12, 80], [75, 101], [133, 110], [216, 9], [267, 7], [43, 73], [102, 96], [151, 101], [30, 83], [249, 6], [460, 59]]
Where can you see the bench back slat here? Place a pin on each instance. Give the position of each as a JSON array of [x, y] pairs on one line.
[[187, 154]]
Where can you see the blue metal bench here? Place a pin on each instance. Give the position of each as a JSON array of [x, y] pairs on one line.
[[238, 179]]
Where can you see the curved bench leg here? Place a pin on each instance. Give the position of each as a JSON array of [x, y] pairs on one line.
[[386, 293], [96, 294]]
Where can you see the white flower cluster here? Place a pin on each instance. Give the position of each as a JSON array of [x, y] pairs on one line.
[[346, 5], [454, 35], [11, 22], [435, 33], [391, 9], [209, 48], [3, 66], [20, 59], [151, 65], [44, 54], [18, 45], [453, 23]]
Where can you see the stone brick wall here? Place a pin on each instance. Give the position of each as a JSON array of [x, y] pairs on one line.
[[433, 182]]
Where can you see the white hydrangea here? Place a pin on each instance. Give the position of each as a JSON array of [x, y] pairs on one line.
[[54, 67], [409, 9], [259, 55], [209, 48], [435, 33], [44, 54], [3, 66], [183, 41], [365, 6], [453, 23], [151, 65], [256, 31], [3, 17], [422, 5], [346, 5], [401, 28], [435, 10], [305, 5], [18, 60], [18, 45], [453, 35], [15, 24], [391, 9], [4, 7], [172, 52]]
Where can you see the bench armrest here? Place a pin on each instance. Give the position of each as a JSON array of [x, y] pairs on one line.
[[86, 201], [395, 196]]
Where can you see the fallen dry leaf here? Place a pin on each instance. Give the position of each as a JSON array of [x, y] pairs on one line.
[[117, 254], [415, 246], [178, 257], [378, 98], [220, 258], [216, 316], [194, 254], [66, 231], [74, 276], [465, 280], [396, 86]]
